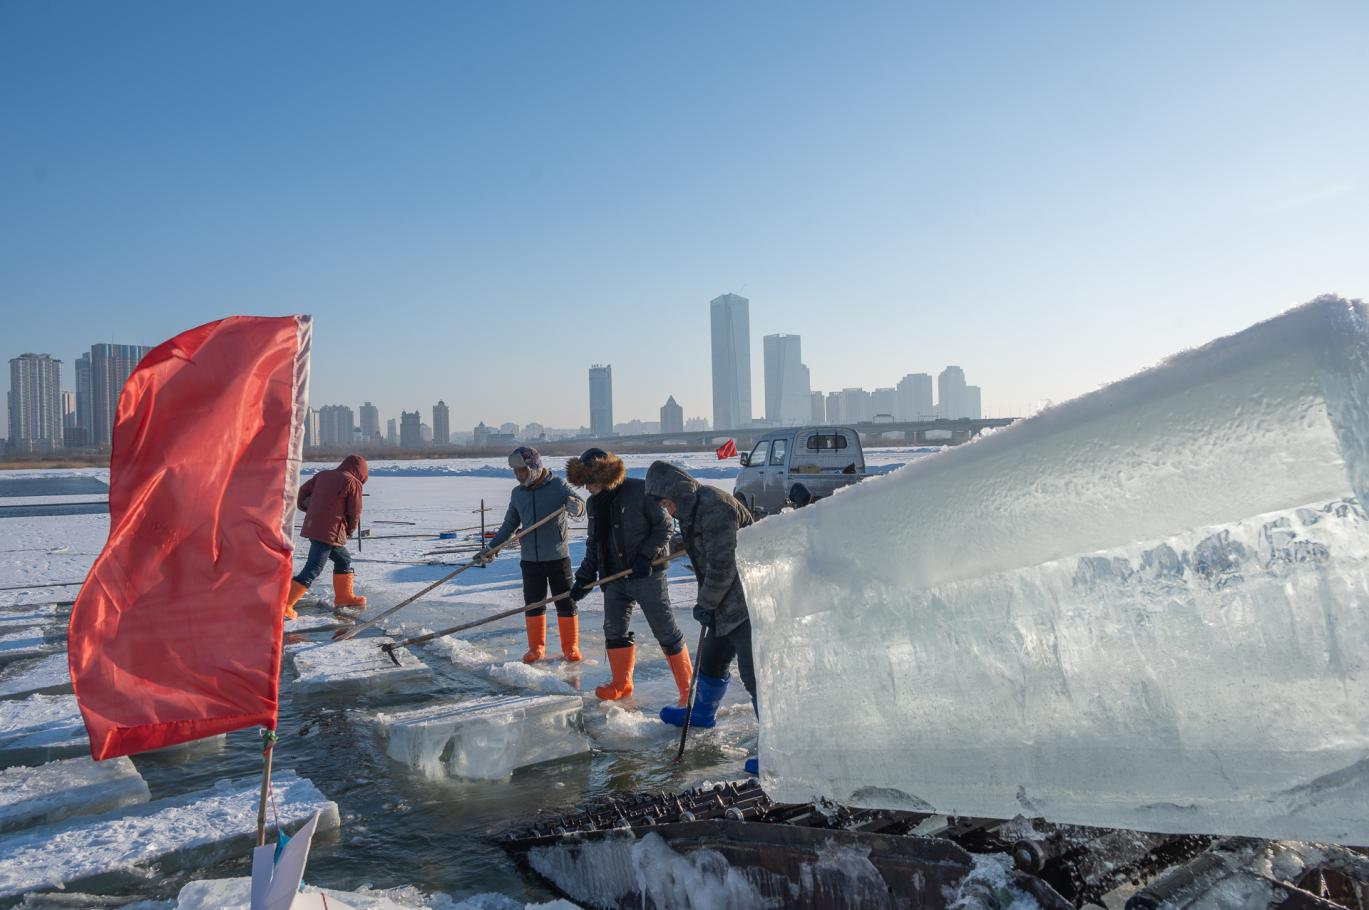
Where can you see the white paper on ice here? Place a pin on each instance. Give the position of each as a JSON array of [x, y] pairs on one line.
[[1147, 607]]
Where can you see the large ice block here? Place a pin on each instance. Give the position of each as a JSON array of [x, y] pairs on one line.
[[485, 738], [352, 667], [1145, 607], [41, 728], [18, 643], [62, 789], [196, 829], [48, 675], [236, 894]]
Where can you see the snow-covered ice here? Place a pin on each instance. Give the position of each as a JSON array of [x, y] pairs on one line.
[[201, 827], [1142, 608], [41, 728], [48, 675], [355, 666], [513, 673], [27, 643], [485, 738], [62, 789]]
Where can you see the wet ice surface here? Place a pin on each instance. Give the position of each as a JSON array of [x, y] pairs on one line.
[[48, 675], [1144, 608], [356, 666], [61, 789], [401, 829]]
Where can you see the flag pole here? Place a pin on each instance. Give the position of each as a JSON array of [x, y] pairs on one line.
[[268, 740]]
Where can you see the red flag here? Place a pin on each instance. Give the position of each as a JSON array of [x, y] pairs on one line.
[[727, 450], [176, 634]]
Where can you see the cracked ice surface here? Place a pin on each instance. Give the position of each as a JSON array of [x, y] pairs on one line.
[[1144, 608], [62, 789], [353, 666]]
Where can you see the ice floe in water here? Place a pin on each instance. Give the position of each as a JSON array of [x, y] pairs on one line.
[[62, 789], [47, 675], [41, 728], [355, 666], [485, 738]]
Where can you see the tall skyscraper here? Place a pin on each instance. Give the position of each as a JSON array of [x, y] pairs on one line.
[[601, 400], [883, 402], [817, 408], [950, 393], [369, 416], [335, 425], [442, 427], [110, 366], [311, 428], [85, 397], [787, 400], [855, 406], [392, 432], [672, 416], [35, 403], [68, 410], [973, 405], [834, 414], [730, 317], [410, 435], [915, 397], [480, 436]]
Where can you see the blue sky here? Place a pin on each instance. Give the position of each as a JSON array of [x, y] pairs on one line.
[[476, 202]]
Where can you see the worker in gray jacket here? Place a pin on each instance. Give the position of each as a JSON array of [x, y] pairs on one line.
[[545, 555], [709, 521]]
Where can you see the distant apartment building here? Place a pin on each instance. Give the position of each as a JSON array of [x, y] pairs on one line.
[[335, 425], [883, 403], [425, 434], [834, 414], [950, 394], [817, 408], [601, 400], [672, 416], [730, 330], [110, 367], [788, 401], [855, 406], [311, 428], [509, 427], [534, 431], [68, 409], [697, 425], [442, 426], [369, 416], [392, 432], [480, 436], [915, 397], [410, 436], [974, 408], [35, 403], [85, 398]]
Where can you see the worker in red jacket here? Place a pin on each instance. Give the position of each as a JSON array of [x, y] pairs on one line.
[[331, 501]]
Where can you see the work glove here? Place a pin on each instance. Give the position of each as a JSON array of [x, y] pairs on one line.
[[578, 592], [484, 558], [641, 567], [704, 616]]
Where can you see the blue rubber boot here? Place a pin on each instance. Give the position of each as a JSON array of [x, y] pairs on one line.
[[707, 696], [753, 766]]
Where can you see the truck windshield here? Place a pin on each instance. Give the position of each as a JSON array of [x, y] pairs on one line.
[[758, 454]]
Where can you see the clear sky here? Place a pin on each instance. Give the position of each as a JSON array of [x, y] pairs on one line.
[[478, 201]]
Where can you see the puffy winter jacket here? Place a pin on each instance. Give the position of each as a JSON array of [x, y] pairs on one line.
[[331, 501], [709, 521], [623, 523], [527, 506]]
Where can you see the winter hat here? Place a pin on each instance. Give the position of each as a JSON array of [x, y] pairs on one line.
[[596, 466], [526, 457]]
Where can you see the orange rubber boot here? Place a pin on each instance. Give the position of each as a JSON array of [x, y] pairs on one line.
[[343, 595], [569, 627], [621, 660], [680, 668], [296, 592], [537, 638]]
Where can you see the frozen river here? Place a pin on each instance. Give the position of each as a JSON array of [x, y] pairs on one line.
[[401, 827]]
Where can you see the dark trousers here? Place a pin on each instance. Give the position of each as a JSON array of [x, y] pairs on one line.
[[652, 594], [319, 552], [551, 573], [718, 651]]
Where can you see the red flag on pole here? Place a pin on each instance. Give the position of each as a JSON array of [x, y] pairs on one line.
[[176, 634], [727, 450]]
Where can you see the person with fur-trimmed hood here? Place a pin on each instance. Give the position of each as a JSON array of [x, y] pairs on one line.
[[709, 521], [545, 555], [331, 502], [627, 530]]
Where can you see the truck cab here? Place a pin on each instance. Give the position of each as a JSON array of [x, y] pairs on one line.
[[798, 465]]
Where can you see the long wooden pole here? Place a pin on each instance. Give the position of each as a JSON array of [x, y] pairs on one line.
[[346, 634], [269, 740], [420, 639]]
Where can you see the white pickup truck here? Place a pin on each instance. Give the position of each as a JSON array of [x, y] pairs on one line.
[[798, 465]]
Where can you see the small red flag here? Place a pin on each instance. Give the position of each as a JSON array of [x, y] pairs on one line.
[[727, 450], [176, 634]]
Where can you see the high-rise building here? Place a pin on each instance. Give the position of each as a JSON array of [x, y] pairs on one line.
[[442, 427], [311, 428], [85, 397], [335, 425], [425, 434], [855, 406], [834, 413], [697, 425], [787, 399], [973, 404], [672, 416], [369, 416], [410, 434], [883, 402], [534, 431], [601, 400], [730, 321], [480, 436], [110, 366], [817, 408], [35, 403], [68, 410], [509, 427], [950, 394], [392, 432], [915, 397]]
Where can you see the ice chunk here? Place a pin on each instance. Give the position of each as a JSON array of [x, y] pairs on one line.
[[512, 673], [47, 675], [26, 643], [354, 667], [235, 894], [196, 829], [42, 615], [41, 728], [486, 738], [62, 789], [1143, 608]]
